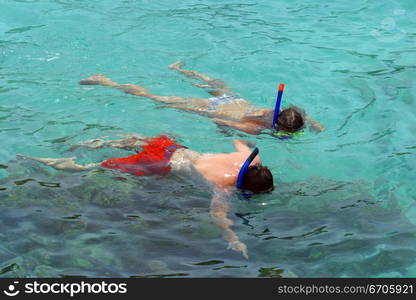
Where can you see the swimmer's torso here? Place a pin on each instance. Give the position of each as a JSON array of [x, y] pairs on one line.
[[234, 109], [221, 169], [183, 160], [240, 109]]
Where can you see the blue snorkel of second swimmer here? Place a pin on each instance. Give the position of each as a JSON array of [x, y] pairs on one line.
[[277, 107], [244, 168]]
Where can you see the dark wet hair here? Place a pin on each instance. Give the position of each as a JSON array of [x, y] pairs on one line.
[[290, 120], [258, 179]]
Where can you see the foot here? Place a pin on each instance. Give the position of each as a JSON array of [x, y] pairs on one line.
[[22, 156], [176, 66], [95, 79], [201, 85]]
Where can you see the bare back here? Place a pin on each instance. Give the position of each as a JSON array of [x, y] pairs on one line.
[[222, 169]]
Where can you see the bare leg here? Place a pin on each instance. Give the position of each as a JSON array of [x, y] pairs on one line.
[[191, 74], [218, 87], [100, 79], [130, 141], [191, 104], [91, 144], [61, 163]]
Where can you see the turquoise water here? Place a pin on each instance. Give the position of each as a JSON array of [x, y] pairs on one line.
[[344, 203]]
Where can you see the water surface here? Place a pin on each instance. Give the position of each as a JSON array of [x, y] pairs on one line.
[[344, 203]]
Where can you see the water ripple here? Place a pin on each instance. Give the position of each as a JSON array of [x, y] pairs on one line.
[[23, 29]]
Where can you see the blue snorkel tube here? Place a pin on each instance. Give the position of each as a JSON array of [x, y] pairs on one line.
[[244, 168], [277, 107]]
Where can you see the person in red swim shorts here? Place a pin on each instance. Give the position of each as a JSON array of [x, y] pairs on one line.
[[161, 155], [152, 160]]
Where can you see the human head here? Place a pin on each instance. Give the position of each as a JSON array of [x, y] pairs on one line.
[[290, 120], [258, 179]]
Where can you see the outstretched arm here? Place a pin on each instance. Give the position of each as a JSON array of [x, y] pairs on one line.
[[314, 124], [242, 126], [219, 209]]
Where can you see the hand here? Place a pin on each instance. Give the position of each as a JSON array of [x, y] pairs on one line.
[[317, 127], [314, 125], [239, 247], [202, 86]]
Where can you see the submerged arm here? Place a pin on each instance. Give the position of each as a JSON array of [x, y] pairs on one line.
[[315, 125], [219, 209], [242, 126]]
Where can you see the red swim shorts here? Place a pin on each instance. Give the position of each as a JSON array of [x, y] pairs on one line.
[[152, 160]]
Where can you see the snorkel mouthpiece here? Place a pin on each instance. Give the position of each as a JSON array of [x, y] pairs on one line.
[[277, 107], [244, 168]]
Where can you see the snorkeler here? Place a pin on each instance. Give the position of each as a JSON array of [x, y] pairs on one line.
[[225, 108], [161, 155]]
